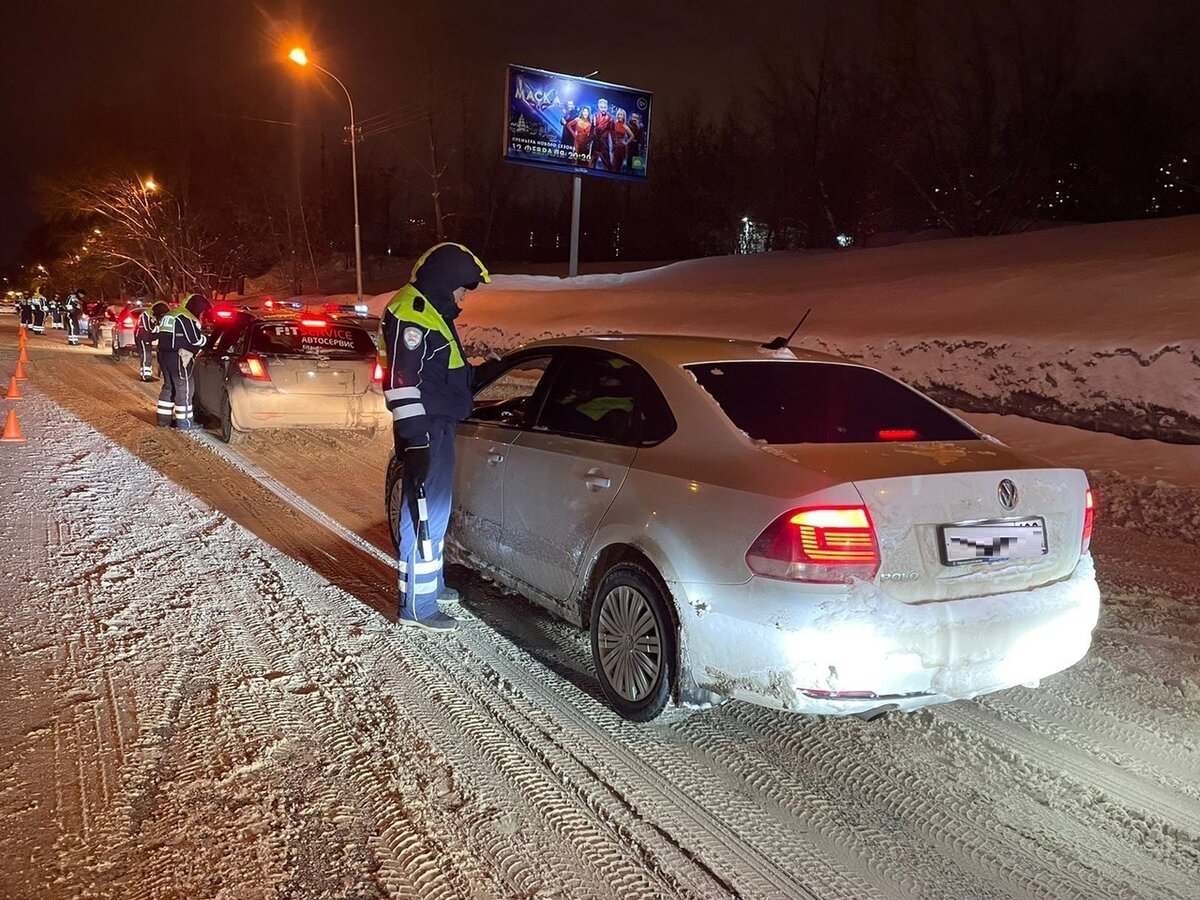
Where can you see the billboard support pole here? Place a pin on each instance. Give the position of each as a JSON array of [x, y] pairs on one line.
[[576, 193]]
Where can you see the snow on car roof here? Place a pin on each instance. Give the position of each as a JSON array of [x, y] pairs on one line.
[[687, 349]]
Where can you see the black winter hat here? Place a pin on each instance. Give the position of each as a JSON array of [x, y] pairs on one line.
[[442, 270]]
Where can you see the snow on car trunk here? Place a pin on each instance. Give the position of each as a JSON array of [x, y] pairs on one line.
[[940, 523], [944, 536]]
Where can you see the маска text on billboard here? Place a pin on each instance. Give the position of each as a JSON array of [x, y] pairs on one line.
[[576, 124]]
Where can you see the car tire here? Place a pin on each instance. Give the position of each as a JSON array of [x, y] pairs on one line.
[[391, 496], [226, 431], [634, 659]]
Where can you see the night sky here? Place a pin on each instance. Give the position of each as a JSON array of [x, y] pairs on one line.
[[100, 81]]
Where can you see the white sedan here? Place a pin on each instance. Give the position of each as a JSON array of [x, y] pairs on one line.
[[772, 525]]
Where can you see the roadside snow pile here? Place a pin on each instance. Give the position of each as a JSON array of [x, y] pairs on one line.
[[1096, 326]]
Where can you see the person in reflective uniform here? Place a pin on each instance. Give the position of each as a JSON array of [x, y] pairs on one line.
[[37, 313], [72, 309], [179, 340], [428, 388], [145, 336]]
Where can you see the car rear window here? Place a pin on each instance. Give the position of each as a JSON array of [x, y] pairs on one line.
[[782, 402], [292, 338]]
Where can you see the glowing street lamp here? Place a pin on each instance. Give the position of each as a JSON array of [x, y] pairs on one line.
[[149, 185], [300, 58]]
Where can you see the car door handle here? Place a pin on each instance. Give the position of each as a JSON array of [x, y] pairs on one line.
[[597, 480], [494, 458]]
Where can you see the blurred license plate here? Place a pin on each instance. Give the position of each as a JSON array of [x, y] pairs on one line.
[[993, 541]]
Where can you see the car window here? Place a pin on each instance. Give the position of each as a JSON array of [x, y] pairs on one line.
[[508, 398], [298, 339], [780, 402], [595, 395], [225, 337]]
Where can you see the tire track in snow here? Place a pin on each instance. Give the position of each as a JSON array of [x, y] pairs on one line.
[[1090, 725], [726, 839], [1179, 817]]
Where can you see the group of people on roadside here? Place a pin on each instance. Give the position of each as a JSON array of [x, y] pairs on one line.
[[38, 312]]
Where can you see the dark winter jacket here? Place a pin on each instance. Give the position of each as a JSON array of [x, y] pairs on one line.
[[179, 329], [426, 372]]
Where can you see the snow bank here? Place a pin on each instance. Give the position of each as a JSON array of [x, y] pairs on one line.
[[1096, 326]]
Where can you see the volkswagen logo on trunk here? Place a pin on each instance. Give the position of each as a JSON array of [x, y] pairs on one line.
[[1007, 492]]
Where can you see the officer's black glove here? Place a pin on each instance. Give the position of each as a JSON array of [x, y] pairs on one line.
[[416, 464]]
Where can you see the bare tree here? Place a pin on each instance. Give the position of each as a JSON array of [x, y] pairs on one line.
[[142, 228]]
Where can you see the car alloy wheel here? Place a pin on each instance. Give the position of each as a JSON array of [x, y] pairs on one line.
[[633, 642], [394, 488]]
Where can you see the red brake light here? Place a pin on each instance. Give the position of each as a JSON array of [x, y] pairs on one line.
[[1089, 516], [377, 375], [826, 544], [224, 313], [127, 322], [898, 434], [252, 367], [314, 323]]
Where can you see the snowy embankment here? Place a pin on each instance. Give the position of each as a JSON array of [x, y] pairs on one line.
[[1094, 326]]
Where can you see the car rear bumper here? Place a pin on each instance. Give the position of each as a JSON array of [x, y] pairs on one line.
[[856, 649], [256, 408]]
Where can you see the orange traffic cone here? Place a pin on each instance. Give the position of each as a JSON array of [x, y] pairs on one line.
[[24, 357], [19, 375], [21, 339], [12, 429], [14, 392]]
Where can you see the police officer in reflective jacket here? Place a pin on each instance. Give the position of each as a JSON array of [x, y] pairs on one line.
[[179, 340], [72, 310], [428, 388], [145, 336]]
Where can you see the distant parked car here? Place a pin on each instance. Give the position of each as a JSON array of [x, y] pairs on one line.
[[124, 326], [289, 370], [777, 526]]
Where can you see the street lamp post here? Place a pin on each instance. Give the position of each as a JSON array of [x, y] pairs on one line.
[[300, 58]]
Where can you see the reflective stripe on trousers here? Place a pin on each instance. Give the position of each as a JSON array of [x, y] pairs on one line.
[[146, 369], [421, 579], [175, 398]]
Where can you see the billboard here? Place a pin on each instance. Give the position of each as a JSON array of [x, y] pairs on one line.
[[576, 125]]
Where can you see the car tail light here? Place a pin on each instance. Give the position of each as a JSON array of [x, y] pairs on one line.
[[224, 313], [826, 544], [898, 434], [377, 375], [314, 323], [127, 322], [1089, 516], [252, 367]]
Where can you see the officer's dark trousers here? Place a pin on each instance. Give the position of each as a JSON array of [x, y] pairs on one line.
[[72, 329], [421, 578], [175, 398], [145, 370], [39, 321]]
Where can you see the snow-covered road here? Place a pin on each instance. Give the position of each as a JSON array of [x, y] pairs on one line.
[[206, 699]]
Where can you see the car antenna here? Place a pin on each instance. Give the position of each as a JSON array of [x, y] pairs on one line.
[[780, 342]]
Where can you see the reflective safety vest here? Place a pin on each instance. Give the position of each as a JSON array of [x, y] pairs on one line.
[[404, 307], [166, 325], [598, 407]]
